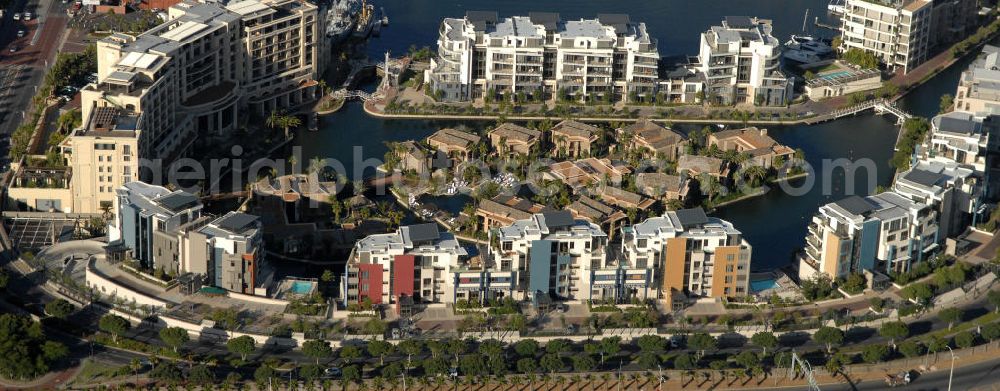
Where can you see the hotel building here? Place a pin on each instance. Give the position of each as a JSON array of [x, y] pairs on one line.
[[897, 32], [690, 255], [884, 233], [741, 63], [540, 55], [190, 78]]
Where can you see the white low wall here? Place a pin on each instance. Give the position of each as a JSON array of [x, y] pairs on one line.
[[108, 287], [256, 299]]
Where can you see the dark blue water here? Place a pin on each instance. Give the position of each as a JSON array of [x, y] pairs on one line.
[[775, 224]]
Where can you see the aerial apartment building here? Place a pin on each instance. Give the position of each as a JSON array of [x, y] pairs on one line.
[[979, 86], [553, 255], [691, 255], [190, 78], [167, 231], [954, 190], [416, 261], [884, 233], [540, 55], [897, 32], [962, 138], [740, 61]]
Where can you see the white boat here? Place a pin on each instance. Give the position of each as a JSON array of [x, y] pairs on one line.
[[340, 19], [837, 7], [804, 57], [810, 44]]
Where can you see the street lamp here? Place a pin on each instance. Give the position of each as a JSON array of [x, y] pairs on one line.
[[952, 371]]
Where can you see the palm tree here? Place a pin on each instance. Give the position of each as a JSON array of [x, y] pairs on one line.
[[710, 186], [282, 120], [755, 174], [336, 207]]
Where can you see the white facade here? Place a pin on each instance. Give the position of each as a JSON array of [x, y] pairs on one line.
[[898, 32], [539, 55], [741, 63]]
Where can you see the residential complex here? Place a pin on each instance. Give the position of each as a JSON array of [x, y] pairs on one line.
[[542, 55], [198, 75], [741, 63], [979, 87], [416, 261], [897, 32], [954, 190], [693, 256], [759, 147], [166, 231], [884, 233]]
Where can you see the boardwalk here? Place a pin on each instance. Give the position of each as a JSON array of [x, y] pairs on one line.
[[880, 106]]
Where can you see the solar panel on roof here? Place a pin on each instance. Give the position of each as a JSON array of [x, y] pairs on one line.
[[236, 222], [923, 177], [562, 218], [739, 22], [178, 201], [692, 217], [423, 232], [855, 205]]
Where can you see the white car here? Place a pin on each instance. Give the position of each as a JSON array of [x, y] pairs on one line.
[[13, 49], [27, 16], [17, 16]]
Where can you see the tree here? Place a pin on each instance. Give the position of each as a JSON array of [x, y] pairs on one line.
[[380, 349], [526, 347], [374, 326], [52, 351], [829, 336], [893, 331], [994, 298], [685, 362], [242, 345], [411, 347], [648, 360], [527, 365], [59, 308], [651, 343], [951, 315], [166, 372], [918, 292], [317, 349], [552, 362], [946, 102], [965, 339], [911, 348], [473, 365], [201, 375], [991, 331], [702, 342], [263, 373], [281, 120], [557, 346], [350, 353], [876, 353], [174, 337], [836, 363], [860, 58], [114, 325], [583, 363], [352, 374], [435, 366], [747, 359], [765, 339], [457, 347]]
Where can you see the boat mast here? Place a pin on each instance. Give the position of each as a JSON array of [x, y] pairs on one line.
[[804, 19]]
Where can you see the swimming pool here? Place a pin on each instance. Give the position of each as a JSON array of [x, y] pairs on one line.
[[301, 287], [763, 285], [831, 76]]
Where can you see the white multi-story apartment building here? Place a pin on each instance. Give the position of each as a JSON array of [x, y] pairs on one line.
[[954, 190], [884, 233], [740, 61], [962, 138], [416, 261], [552, 255], [979, 87], [193, 77], [609, 57], [691, 255], [898, 32]]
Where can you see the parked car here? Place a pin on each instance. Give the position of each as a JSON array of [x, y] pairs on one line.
[[395, 333], [332, 372], [27, 16], [453, 372], [17, 16], [20, 33], [13, 49], [676, 341]]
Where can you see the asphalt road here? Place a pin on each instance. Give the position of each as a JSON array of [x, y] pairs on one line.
[[981, 376]]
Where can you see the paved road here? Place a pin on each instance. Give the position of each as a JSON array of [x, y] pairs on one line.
[[981, 376]]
